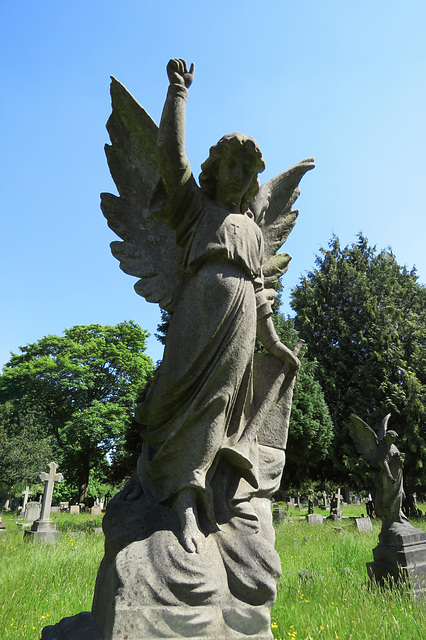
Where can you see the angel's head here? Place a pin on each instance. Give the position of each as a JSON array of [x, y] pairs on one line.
[[390, 436], [229, 175]]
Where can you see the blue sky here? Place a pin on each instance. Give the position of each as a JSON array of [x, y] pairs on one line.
[[343, 82]]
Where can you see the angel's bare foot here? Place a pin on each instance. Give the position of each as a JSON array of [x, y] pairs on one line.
[[184, 504]]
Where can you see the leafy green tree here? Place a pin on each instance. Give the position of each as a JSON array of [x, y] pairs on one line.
[[25, 445], [363, 318], [84, 386], [311, 429]]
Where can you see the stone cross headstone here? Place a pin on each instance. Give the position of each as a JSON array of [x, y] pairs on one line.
[[45, 528], [338, 496], [25, 494], [49, 479]]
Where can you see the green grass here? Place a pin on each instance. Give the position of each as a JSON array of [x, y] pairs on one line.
[[40, 584], [335, 600]]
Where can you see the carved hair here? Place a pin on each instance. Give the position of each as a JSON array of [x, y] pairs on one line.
[[209, 168]]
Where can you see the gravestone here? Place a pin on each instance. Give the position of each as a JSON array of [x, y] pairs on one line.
[[95, 510], [278, 513], [363, 524], [400, 557], [55, 509], [75, 508], [32, 511], [25, 494], [335, 510], [2, 526], [64, 505], [314, 518], [44, 528]]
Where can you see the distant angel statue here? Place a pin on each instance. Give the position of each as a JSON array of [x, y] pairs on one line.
[[208, 255], [380, 452]]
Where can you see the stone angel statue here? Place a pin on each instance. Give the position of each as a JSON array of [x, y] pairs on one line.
[[207, 254], [381, 453], [214, 421]]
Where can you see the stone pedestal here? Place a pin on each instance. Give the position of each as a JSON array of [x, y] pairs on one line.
[[44, 531], [400, 557]]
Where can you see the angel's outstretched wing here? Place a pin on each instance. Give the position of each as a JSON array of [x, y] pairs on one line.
[[383, 428], [272, 209], [148, 250], [365, 439]]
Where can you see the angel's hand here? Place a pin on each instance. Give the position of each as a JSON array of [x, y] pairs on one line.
[[283, 353], [178, 73], [132, 490]]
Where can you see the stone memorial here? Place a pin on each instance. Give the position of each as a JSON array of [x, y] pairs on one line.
[[363, 524], [314, 518], [96, 510], [75, 508], [2, 526], [32, 511], [336, 512], [25, 493], [400, 555], [189, 542], [44, 528], [278, 513]]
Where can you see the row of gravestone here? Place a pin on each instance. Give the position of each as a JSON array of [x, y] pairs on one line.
[[279, 515], [33, 509]]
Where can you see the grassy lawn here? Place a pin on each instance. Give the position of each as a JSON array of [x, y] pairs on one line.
[[323, 593]]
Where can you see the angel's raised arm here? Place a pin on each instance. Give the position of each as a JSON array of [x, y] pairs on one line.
[[173, 163]]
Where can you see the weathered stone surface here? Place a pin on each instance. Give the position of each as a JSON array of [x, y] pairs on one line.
[[363, 524], [32, 511], [314, 518], [400, 556], [189, 542]]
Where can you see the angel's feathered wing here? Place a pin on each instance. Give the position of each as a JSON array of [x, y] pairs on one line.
[[383, 428], [148, 250], [365, 439], [273, 212]]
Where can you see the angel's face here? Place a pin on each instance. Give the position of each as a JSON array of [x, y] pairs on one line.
[[236, 172]]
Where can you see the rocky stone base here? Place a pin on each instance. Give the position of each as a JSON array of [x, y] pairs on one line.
[[400, 557], [43, 531]]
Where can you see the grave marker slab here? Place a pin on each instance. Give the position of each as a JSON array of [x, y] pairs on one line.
[[314, 518], [363, 524], [32, 511]]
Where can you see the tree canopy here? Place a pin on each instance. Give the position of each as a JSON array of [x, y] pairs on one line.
[[363, 318], [81, 389]]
